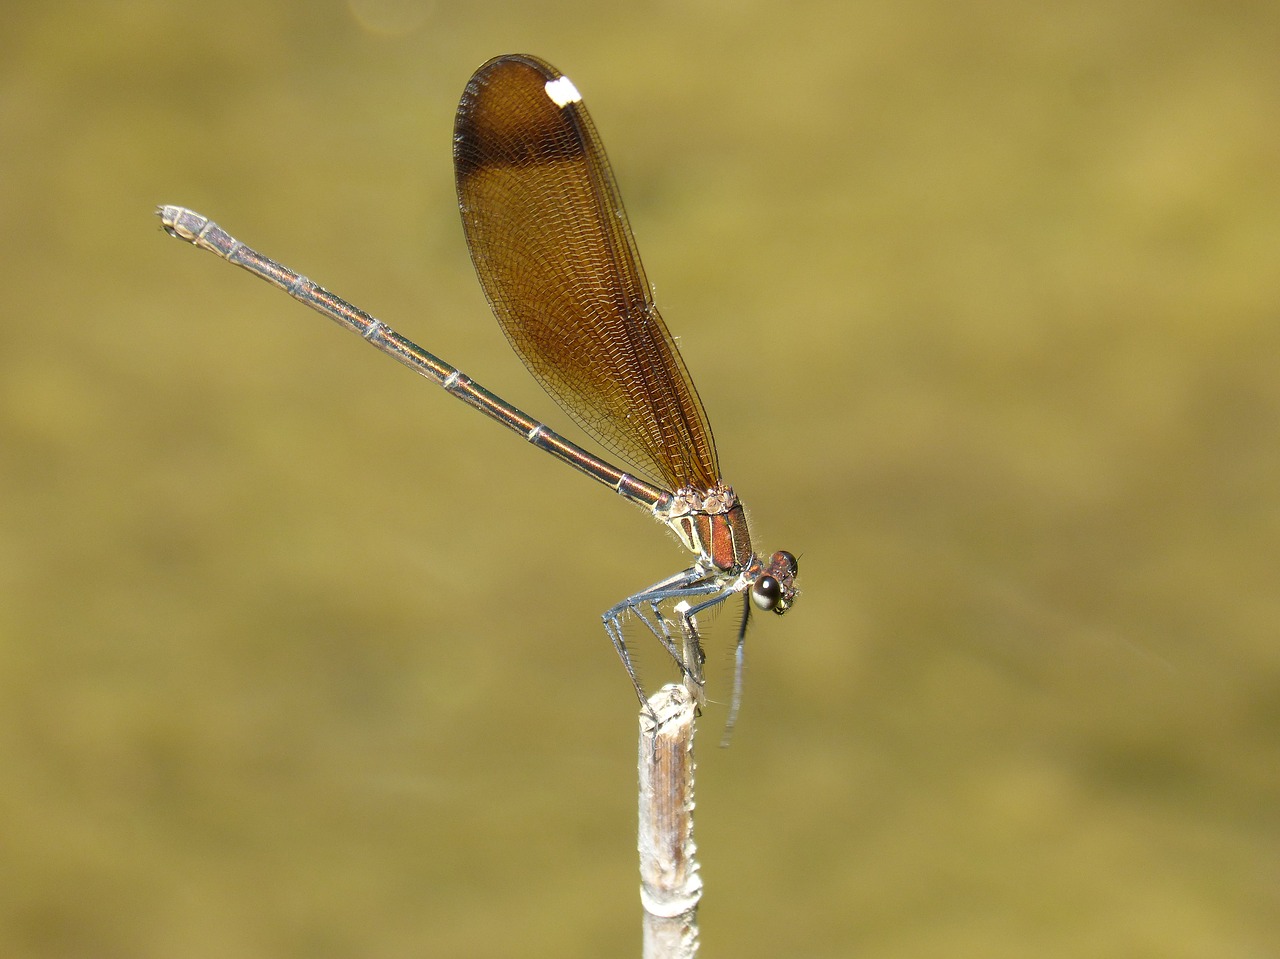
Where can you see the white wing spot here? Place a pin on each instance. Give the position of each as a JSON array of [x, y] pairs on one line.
[[562, 92]]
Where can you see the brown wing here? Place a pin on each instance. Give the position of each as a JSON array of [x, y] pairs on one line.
[[554, 251]]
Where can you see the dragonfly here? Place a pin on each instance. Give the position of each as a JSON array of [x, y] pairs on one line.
[[556, 257]]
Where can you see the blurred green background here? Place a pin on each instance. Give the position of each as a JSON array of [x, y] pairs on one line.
[[299, 657]]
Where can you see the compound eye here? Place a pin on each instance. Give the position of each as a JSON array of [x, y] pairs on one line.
[[782, 556], [765, 592]]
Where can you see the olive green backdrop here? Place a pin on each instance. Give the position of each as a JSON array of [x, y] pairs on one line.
[[300, 657]]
